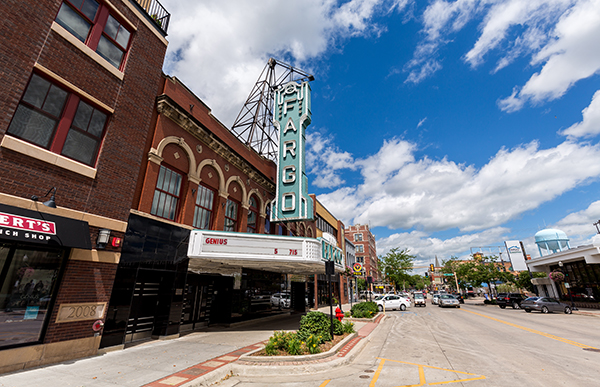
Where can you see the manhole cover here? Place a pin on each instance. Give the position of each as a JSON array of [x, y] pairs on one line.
[[592, 349], [369, 371], [364, 377]]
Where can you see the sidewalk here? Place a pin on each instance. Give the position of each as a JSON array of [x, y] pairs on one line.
[[195, 359]]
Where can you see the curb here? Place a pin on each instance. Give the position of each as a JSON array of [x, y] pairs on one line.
[[342, 354]]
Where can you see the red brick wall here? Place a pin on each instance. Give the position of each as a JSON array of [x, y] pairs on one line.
[[26, 38], [82, 282]]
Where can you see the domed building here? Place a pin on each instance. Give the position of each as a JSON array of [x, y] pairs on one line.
[[580, 265]]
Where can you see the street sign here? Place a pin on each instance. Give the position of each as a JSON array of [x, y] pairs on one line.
[[448, 274]]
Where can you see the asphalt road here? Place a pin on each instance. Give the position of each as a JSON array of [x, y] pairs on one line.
[[474, 346]]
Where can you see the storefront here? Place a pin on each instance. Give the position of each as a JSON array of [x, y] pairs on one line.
[[34, 248]]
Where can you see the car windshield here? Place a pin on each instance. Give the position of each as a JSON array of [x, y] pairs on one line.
[[378, 298], [446, 296], [532, 299], [418, 296]]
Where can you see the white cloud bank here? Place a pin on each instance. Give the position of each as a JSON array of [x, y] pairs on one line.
[[219, 48]]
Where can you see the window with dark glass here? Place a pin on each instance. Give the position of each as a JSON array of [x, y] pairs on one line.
[[204, 207], [358, 237], [231, 215], [91, 22], [54, 119], [252, 216], [268, 220], [28, 279], [166, 194]]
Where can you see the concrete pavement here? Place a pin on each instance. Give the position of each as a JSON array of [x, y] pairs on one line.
[[195, 359]]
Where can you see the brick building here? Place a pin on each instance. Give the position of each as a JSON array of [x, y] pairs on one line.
[[365, 248], [79, 80], [199, 248]]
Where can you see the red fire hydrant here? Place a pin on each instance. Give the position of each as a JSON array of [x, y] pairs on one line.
[[338, 313]]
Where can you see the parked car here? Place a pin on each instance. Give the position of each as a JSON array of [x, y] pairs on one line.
[[392, 301], [281, 300], [509, 299], [435, 298], [545, 305], [420, 299], [448, 300]]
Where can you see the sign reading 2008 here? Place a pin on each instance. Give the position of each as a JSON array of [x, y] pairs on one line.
[[292, 117]]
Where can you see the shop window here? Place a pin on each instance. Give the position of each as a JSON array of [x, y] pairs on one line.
[[252, 216], [27, 282], [167, 192], [59, 121], [204, 208], [91, 22], [231, 215]]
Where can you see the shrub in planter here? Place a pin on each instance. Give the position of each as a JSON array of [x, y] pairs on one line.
[[338, 328], [294, 345], [348, 327], [364, 309], [315, 324], [312, 344]]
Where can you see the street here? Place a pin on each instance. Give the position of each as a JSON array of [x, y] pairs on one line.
[[475, 345]]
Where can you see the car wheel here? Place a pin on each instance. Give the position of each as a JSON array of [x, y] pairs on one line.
[[458, 306], [544, 309], [568, 310], [502, 306], [516, 305], [528, 310], [380, 308], [402, 307]]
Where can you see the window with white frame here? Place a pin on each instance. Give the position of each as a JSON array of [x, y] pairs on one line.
[[231, 215], [167, 194], [360, 249], [358, 237], [204, 207]]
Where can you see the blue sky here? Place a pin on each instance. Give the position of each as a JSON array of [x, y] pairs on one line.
[[445, 125]]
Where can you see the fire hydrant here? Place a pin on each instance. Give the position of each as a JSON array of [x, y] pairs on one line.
[[339, 314]]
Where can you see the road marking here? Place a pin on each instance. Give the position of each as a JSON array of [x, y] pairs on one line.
[[325, 383], [548, 335], [422, 380]]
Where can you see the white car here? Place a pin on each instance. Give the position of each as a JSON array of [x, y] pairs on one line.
[[392, 301], [281, 300], [448, 300]]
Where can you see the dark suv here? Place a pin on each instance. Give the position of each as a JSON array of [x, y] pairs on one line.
[[509, 299]]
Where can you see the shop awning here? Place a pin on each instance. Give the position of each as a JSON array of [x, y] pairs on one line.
[[213, 251]]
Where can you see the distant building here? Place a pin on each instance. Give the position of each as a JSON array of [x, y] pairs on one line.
[[365, 248]]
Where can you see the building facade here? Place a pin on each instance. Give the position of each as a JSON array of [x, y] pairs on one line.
[[79, 82], [366, 249]]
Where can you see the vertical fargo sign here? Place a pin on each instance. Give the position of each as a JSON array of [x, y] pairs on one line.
[[292, 117]]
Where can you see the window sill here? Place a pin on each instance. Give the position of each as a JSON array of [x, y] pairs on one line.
[[86, 50], [42, 154]]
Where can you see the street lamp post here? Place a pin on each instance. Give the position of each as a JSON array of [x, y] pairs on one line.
[[573, 307]]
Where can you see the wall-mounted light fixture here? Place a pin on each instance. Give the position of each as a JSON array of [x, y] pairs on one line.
[[48, 203], [103, 238]]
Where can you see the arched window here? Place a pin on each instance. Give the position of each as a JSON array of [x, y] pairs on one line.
[[268, 220], [205, 198], [167, 194], [252, 216], [231, 215]]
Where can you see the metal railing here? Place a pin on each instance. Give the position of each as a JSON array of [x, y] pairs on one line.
[[157, 13]]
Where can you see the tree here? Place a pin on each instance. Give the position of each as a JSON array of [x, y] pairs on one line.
[[395, 265], [523, 280]]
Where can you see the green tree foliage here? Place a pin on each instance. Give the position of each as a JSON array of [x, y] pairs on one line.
[[523, 280], [395, 265]]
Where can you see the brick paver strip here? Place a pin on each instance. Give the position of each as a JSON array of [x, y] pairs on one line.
[[173, 380], [194, 371]]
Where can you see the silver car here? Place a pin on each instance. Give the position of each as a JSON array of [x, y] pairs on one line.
[[446, 300], [545, 305]]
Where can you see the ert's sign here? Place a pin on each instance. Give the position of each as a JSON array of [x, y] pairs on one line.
[[292, 117]]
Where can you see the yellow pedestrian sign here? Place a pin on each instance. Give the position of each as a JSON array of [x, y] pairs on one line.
[[423, 375]]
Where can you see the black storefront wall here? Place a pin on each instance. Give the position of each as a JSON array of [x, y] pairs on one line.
[[34, 249], [147, 297]]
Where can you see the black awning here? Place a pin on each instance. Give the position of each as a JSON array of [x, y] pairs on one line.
[[21, 225]]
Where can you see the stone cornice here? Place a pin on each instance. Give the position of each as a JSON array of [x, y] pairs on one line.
[[169, 108]]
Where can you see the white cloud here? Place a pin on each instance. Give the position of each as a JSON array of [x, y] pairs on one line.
[[400, 192], [426, 247], [219, 48], [590, 126], [580, 224], [572, 55], [325, 161]]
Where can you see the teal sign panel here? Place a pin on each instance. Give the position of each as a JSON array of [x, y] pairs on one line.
[[330, 252], [291, 118]]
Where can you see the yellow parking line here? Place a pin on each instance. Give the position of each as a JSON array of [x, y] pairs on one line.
[[376, 375], [325, 383], [566, 341], [422, 380]]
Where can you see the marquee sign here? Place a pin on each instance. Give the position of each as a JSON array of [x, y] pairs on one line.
[[292, 116]]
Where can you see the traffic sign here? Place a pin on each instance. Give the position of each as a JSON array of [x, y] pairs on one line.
[[448, 274]]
